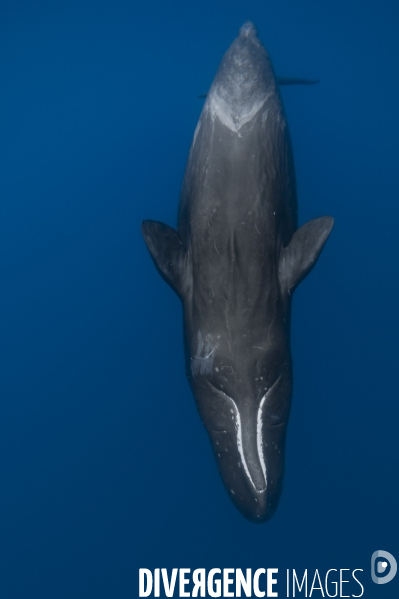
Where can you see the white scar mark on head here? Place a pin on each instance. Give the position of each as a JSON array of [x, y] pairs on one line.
[[234, 114], [202, 362], [198, 127]]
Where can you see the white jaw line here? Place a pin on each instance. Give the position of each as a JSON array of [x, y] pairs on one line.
[[259, 445], [259, 438]]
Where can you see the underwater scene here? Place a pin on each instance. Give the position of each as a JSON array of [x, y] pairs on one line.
[[232, 429]]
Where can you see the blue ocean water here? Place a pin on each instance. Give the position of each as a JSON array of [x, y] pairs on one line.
[[105, 466]]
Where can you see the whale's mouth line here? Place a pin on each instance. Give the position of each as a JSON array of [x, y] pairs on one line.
[[259, 440]]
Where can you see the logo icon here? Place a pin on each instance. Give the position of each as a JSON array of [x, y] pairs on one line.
[[383, 562]]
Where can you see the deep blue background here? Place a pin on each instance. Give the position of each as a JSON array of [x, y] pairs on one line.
[[105, 466]]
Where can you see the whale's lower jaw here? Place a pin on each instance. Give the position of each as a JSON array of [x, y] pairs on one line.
[[248, 444], [255, 503]]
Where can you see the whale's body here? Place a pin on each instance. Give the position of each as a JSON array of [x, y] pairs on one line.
[[234, 262]]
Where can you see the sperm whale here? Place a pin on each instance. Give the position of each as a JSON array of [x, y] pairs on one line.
[[235, 261]]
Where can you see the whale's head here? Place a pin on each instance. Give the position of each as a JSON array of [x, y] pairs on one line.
[[243, 394]]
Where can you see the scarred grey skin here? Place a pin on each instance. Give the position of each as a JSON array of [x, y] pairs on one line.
[[234, 262]]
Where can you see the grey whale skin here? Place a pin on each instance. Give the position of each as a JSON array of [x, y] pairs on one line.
[[234, 262]]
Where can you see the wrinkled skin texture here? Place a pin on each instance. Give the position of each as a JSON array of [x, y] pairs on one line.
[[234, 262]]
